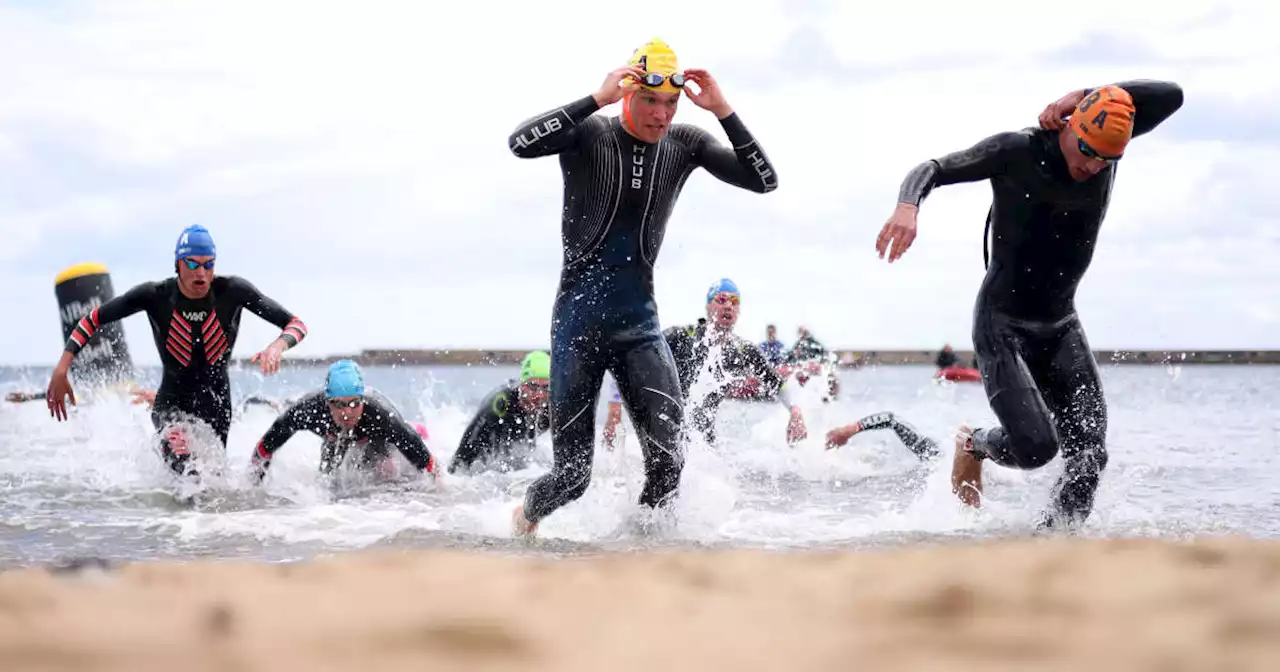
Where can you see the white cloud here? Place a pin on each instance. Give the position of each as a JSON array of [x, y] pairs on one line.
[[353, 163]]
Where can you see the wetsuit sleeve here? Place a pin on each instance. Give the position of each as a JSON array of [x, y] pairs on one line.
[[678, 339], [305, 415], [551, 132], [1153, 102], [988, 158], [745, 165], [269, 309], [480, 436], [133, 301], [410, 443], [768, 376]]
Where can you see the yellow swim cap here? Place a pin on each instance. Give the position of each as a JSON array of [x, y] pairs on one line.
[[656, 57]]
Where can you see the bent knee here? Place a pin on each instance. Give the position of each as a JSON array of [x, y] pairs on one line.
[[1035, 451]]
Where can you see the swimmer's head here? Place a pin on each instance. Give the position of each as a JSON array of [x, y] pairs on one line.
[[193, 258], [1097, 132], [421, 429], [535, 380], [650, 105], [344, 391], [722, 304]]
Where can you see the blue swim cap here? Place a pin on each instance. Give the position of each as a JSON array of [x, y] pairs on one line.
[[344, 380], [723, 286], [195, 241]]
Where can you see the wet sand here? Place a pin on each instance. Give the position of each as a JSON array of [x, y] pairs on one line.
[[1042, 604]]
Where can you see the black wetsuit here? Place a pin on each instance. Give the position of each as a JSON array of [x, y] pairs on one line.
[[923, 447], [618, 195], [1037, 367], [946, 358], [737, 360], [381, 427], [195, 338], [501, 434]]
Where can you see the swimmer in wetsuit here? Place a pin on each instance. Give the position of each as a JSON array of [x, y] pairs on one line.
[[195, 318], [510, 419], [622, 176], [923, 447], [1051, 189], [347, 415], [736, 361]]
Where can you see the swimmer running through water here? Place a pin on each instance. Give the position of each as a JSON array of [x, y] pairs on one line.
[[347, 415], [737, 360], [622, 177], [1051, 189], [195, 319]]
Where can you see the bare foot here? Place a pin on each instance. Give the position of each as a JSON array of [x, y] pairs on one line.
[[521, 525], [966, 469]]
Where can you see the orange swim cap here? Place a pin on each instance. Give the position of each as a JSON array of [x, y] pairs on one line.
[[1104, 120]]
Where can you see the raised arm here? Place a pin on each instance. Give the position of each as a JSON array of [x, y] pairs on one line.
[[743, 165], [1153, 102], [551, 132], [293, 330]]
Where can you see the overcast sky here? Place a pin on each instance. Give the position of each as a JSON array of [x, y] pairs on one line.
[[353, 163]]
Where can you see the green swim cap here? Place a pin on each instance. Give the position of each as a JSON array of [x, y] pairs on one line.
[[536, 364]]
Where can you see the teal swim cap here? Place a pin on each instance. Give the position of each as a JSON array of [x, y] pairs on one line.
[[344, 380], [536, 364]]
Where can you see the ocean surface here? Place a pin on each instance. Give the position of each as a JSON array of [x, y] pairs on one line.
[[1194, 450]]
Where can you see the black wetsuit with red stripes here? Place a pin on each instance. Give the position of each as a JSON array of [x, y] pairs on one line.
[[380, 428], [195, 338]]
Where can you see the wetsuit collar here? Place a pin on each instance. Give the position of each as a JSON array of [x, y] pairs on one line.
[[1054, 160]]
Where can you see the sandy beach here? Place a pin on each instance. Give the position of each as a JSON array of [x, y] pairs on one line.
[[1033, 604]]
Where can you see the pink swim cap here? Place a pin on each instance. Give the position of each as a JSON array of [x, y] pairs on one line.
[[422, 430]]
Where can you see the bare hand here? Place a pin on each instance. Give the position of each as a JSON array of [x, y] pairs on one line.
[[839, 436], [1054, 117], [59, 390], [269, 359], [900, 229], [709, 96], [614, 89], [141, 396]]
